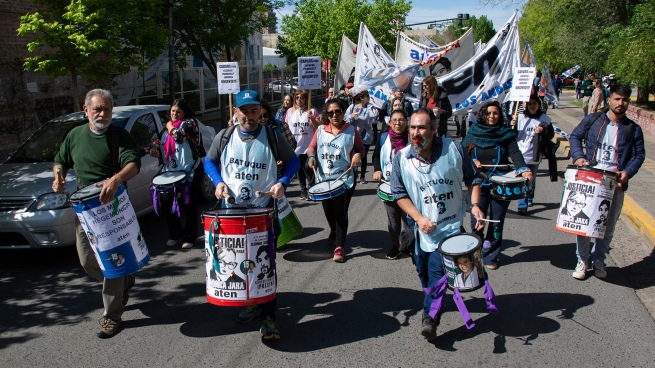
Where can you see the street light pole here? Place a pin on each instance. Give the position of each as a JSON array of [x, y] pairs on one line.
[[460, 18]]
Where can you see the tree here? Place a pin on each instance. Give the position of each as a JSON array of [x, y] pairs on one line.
[[211, 29], [483, 28], [316, 26], [95, 39], [632, 57]]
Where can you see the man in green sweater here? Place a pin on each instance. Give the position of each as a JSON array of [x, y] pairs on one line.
[[87, 149], [587, 90]]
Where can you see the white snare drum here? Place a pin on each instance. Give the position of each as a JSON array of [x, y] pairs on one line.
[[169, 180], [326, 190], [384, 192]]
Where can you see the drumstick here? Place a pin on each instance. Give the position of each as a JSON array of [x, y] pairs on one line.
[[341, 176], [230, 200], [503, 165], [488, 220], [384, 181], [259, 193]]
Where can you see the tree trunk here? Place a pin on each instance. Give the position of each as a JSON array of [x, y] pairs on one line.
[[642, 95], [76, 96]]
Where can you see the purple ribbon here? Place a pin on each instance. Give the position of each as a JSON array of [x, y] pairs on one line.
[[175, 208], [440, 289], [155, 201], [187, 192], [468, 321], [490, 298]]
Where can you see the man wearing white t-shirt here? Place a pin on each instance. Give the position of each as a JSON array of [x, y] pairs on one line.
[[612, 143]]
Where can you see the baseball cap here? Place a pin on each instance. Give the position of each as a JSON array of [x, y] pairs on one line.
[[247, 97]]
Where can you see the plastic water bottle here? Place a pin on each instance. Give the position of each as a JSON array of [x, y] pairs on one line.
[[486, 244]]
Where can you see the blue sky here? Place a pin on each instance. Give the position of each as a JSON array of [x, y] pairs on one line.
[[428, 10]]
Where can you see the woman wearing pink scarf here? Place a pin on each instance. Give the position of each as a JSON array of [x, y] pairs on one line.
[[389, 145], [179, 150]]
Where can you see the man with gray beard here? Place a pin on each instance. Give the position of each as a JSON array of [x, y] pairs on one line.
[[426, 182], [99, 151]]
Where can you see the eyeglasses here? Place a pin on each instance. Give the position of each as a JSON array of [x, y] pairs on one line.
[[333, 113], [230, 265], [577, 204], [398, 121]]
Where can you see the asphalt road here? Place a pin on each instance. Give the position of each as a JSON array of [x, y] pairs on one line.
[[364, 312]]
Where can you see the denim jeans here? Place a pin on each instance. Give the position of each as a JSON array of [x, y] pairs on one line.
[[496, 209], [523, 202], [601, 246], [429, 266]]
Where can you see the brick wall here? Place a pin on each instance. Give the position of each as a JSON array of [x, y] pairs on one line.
[[645, 119]]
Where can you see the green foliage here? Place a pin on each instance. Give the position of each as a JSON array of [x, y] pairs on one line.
[[633, 56], [213, 29], [316, 27], [95, 39], [483, 28]]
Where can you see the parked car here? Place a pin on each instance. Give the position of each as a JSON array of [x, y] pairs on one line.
[[33, 216], [567, 81]]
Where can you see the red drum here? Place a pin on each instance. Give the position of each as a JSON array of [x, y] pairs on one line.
[[238, 246], [586, 201]]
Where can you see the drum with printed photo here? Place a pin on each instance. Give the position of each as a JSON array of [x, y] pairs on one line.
[[326, 190], [586, 201], [240, 265], [462, 261], [113, 231]]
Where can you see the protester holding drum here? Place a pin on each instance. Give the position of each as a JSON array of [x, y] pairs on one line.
[[534, 131], [612, 143], [176, 189], [391, 143], [89, 150], [334, 152], [303, 122], [429, 171], [491, 144], [242, 164]]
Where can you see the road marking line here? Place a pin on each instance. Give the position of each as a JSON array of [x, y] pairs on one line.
[[639, 219]]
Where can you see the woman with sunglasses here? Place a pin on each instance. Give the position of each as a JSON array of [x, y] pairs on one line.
[[390, 143], [362, 115], [303, 122], [335, 149], [435, 99], [491, 144]]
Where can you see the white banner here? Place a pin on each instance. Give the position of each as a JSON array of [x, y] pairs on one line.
[[370, 57], [522, 84], [309, 72], [345, 64], [228, 77], [488, 75], [479, 46]]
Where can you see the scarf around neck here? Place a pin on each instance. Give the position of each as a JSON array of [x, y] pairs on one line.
[[398, 141], [169, 144], [487, 136]]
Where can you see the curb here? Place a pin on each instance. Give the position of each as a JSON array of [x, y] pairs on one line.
[[641, 220]]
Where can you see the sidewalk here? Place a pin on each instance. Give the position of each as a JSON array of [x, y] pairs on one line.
[[639, 205]]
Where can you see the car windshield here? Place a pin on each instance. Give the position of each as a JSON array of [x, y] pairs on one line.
[[43, 145]]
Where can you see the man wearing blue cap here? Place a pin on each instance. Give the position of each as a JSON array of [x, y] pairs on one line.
[[243, 158]]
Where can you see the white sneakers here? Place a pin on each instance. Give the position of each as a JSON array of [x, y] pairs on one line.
[[581, 270]]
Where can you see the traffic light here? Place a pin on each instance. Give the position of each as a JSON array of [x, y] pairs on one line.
[[460, 18]]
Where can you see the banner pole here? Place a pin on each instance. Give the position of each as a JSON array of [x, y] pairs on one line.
[[230, 99]]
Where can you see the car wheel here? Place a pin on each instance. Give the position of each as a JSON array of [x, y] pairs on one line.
[[207, 189]]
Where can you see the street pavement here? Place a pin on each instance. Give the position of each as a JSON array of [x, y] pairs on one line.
[[365, 312]]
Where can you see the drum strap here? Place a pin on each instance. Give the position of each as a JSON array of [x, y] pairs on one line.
[[270, 134]]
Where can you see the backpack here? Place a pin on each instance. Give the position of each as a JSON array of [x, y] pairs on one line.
[[272, 139]]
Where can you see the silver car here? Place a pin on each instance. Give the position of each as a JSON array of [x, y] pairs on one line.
[[33, 216]]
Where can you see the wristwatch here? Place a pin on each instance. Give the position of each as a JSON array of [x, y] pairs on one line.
[[475, 205]]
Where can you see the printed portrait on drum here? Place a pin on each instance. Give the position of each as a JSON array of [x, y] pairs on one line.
[[575, 203], [468, 275], [227, 260], [117, 259], [92, 239], [263, 260], [603, 211], [247, 266]]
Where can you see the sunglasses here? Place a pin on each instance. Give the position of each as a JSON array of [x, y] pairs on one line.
[[300, 97], [333, 113]]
